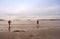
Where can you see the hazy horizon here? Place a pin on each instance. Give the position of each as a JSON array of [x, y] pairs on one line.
[[12, 9]]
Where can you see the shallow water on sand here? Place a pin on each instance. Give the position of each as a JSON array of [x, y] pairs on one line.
[[28, 25]]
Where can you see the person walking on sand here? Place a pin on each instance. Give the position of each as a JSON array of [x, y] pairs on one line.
[[37, 24], [9, 23]]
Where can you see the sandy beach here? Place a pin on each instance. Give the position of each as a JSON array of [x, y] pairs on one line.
[[52, 33], [28, 30]]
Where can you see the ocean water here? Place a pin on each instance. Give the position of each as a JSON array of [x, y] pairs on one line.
[[28, 25]]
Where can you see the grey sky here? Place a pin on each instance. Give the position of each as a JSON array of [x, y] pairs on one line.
[[30, 8]]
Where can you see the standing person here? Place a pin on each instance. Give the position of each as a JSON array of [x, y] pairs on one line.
[[9, 23], [37, 24]]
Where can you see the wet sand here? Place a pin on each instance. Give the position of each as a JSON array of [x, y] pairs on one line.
[[52, 33]]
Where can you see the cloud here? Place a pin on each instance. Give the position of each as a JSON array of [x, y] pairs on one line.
[[30, 8]]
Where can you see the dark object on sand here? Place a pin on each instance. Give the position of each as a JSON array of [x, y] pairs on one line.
[[18, 31], [31, 35]]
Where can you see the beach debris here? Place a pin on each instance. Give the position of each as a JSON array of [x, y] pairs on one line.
[[18, 31], [31, 35]]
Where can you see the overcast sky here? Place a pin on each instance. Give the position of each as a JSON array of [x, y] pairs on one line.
[[30, 8]]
